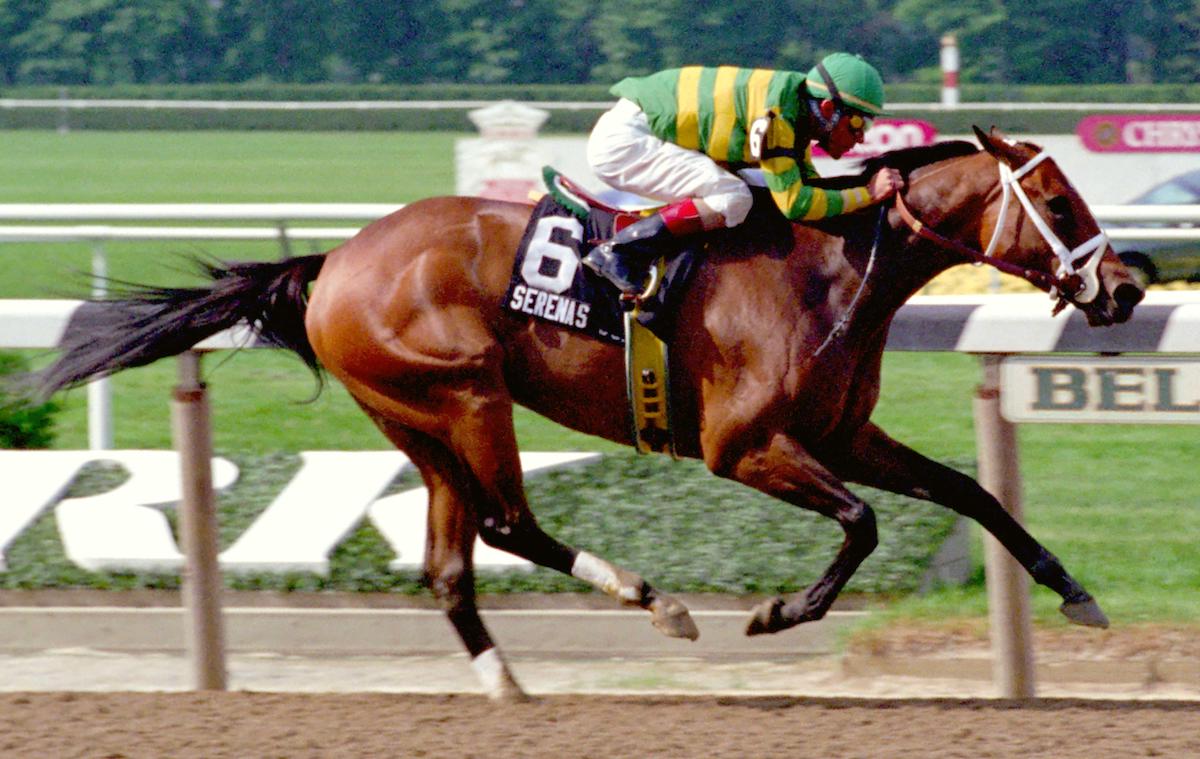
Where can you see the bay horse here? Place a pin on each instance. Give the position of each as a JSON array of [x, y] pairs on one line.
[[775, 360]]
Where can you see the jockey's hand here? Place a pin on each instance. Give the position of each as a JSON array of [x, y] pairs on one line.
[[885, 184]]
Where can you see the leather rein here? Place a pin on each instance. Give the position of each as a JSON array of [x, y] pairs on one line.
[[1037, 278]]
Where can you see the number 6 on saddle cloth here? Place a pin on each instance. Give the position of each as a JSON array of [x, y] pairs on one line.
[[548, 283]]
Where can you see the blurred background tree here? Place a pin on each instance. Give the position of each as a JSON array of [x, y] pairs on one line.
[[69, 42]]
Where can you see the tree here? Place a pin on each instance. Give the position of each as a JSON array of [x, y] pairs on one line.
[[16, 18], [64, 45], [978, 25], [386, 42], [275, 40], [159, 41]]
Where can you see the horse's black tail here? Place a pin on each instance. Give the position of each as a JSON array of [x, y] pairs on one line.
[[149, 323]]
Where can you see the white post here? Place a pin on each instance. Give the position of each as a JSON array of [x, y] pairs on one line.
[[1008, 584], [949, 59], [198, 527], [99, 393]]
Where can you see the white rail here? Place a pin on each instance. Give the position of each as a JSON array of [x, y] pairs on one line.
[[108, 233], [273, 212]]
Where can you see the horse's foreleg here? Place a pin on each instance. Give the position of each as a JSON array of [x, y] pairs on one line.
[[489, 448], [786, 471], [879, 461]]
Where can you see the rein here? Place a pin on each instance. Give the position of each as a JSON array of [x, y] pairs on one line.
[[844, 319], [1037, 278]]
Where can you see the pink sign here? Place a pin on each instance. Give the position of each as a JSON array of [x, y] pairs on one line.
[[1148, 133], [890, 134]]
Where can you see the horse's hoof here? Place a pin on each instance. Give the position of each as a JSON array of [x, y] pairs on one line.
[[672, 619], [1085, 613], [516, 696], [508, 691], [497, 681], [767, 617]]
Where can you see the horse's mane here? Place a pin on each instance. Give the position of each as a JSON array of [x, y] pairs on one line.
[[908, 159]]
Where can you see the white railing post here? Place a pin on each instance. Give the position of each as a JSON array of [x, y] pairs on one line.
[[949, 61], [99, 393]]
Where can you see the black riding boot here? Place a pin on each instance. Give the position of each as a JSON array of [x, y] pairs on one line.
[[625, 259]]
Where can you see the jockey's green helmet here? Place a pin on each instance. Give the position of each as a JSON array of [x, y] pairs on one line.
[[850, 79]]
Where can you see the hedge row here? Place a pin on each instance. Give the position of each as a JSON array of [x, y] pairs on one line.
[[24, 422], [456, 119], [897, 92]]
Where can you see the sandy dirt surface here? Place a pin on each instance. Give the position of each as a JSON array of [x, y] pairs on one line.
[[239, 725]]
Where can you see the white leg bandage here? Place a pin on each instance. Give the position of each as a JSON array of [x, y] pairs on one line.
[[600, 573], [490, 669]]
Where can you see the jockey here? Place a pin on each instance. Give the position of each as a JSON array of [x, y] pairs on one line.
[[678, 135]]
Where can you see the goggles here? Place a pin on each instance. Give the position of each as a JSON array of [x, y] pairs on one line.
[[858, 122]]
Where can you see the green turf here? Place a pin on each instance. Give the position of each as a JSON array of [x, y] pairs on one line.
[[225, 167]]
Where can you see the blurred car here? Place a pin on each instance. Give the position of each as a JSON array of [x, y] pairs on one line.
[[1165, 260]]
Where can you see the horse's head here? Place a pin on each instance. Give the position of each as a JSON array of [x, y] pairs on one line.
[[1051, 231]]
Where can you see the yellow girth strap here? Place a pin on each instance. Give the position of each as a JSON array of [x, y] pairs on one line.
[[647, 384]]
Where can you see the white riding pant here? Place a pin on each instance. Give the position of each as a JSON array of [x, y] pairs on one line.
[[625, 154]]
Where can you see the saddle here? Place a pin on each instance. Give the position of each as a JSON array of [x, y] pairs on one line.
[[549, 283]]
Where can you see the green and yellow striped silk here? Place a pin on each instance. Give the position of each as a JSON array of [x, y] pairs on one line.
[[710, 109]]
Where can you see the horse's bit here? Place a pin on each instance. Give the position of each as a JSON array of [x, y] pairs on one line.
[[1080, 284]]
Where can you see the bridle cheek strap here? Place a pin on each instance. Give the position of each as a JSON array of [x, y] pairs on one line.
[[1085, 279]]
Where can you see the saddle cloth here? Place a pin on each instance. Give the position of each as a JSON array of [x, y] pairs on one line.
[[550, 283]]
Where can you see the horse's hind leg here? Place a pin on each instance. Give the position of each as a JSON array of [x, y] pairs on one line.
[[487, 444], [475, 484], [449, 547], [877, 460]]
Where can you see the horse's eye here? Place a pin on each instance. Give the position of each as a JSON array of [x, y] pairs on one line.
[[1059, 206]]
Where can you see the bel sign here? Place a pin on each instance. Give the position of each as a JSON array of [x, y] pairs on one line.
[[1118, 389], [1148, 133], [890, 134]]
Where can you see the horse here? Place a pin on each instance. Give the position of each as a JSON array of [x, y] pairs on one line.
[[775, 356]]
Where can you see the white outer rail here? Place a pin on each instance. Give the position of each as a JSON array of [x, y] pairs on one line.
[[275, 212]]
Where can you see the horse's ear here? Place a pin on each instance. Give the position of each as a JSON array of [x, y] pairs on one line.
[[996, 143], [981, 136]]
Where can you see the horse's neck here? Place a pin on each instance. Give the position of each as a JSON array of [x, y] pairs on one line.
[[951, 199]]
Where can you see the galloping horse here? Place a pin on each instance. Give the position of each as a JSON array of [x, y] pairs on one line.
[[775, 361]]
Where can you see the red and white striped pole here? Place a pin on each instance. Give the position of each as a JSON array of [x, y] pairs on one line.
[[949, 70]]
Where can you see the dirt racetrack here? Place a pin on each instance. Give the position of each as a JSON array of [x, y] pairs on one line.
[[233, 724]]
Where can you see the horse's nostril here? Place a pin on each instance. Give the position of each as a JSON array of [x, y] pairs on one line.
[[1128, 295]]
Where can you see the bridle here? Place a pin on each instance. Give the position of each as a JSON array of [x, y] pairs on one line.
[[1075, 283]]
